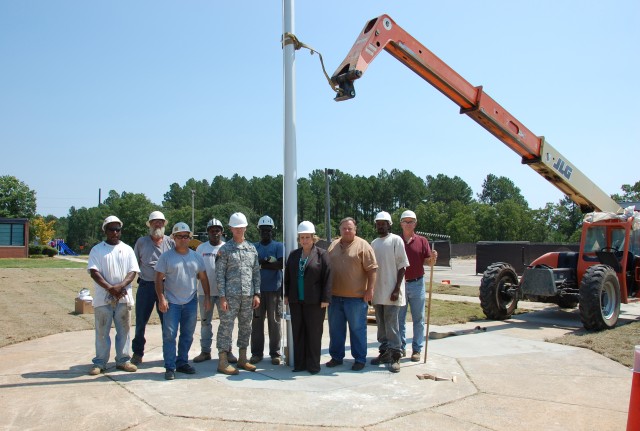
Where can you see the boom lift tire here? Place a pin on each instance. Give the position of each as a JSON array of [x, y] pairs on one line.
[[495, 302], [599, 298], [567, 303]]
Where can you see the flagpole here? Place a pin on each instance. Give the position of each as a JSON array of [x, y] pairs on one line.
[[290, 192]]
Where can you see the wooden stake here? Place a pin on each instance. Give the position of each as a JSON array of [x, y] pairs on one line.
[[426, 335]]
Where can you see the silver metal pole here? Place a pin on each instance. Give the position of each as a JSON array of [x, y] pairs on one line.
[[327, 206], [290, 201], [193, 210]]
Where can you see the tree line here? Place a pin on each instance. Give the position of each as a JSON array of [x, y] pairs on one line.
[[444, 205]]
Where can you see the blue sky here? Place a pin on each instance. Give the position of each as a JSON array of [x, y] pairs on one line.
[[136, 95]]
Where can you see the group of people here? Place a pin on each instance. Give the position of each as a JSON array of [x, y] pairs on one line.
[[244, 281]]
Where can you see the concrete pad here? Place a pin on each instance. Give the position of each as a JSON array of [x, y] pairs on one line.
[[71, 402], [332, 390], [507, 413], [504, 381], [428, 420]]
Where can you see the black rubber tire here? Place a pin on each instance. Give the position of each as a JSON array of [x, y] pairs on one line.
[[495, 280], [599, 298], [567, 303]]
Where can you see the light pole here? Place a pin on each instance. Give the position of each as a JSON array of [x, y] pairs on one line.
[[327, 229], [193, 210]]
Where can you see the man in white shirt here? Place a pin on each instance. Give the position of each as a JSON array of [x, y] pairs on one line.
[[389, 292], [113, 267]]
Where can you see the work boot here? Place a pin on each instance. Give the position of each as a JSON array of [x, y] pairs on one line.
[[243, 363], [136, 359], [254, 359], [395, 362], [223, 365], [127, 366], [383, 358], [95, 370], [203, 356], [415, 356], [230, 358]]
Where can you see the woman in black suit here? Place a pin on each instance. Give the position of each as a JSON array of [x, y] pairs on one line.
[[307, 291]]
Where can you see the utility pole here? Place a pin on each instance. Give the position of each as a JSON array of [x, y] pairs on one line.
[[193, 211], [327, 206]]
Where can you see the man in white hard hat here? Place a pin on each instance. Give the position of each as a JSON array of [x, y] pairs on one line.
[[238, 277], [113, 267], [353, 278], [389, 293], [177, 274], [419, 253], [209, 250], [271, 257], [148, 250]]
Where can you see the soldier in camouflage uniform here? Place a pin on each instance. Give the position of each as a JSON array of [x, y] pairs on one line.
[[238, 277]]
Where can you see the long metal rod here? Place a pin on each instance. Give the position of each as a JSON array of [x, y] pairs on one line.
[[290, 192], [426, 335], [327, 205]]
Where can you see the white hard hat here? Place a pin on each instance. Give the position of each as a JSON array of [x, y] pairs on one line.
[[110, 219], [214, 222], [180, 227], [156, 215], [306, 227], [408, 214], [265, 221], [238, 220], [383, 215]]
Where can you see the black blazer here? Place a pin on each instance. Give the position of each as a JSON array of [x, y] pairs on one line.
[[317, 277]]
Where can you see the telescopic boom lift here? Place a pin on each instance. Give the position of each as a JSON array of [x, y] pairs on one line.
[[382, 33]]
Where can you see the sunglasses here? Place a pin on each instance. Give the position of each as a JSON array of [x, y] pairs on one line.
[[114, 229], [182, 236]]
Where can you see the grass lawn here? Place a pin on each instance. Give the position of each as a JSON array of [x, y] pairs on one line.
[[449, 312], [40, 262], [616, 344]]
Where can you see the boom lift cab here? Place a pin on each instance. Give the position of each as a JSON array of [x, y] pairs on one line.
[[598, 278], [606, 270]]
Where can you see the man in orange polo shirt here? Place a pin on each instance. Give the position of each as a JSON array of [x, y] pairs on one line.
[[353, 272]]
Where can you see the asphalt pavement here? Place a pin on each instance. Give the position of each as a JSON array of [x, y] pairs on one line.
[[507, 377]]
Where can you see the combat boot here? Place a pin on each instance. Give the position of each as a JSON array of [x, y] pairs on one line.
[[231, 358], [383, 358], [223, 365], [243, 363], [395, 362]]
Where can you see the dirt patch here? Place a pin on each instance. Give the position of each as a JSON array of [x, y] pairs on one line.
[[36, 302], [617, 343]]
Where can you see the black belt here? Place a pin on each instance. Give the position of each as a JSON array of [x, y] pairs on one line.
[[413, 279]]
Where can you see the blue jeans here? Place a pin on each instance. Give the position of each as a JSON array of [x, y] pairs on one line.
[[184, 316], [146, 299], [353, 311], [416, 299], [104, 316]]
